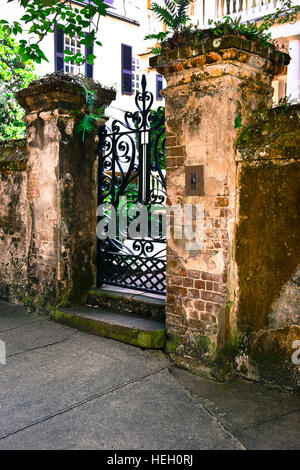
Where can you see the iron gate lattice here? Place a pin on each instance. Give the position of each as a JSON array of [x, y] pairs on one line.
[[131, 170]]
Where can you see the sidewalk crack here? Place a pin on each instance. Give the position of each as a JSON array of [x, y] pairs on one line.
[[43, 346], [23, 324], [268, 420], [84, 401], [201, 405]]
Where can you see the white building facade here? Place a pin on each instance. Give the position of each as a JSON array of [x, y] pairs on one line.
[[287, 35], [119, 61], [124, 54]]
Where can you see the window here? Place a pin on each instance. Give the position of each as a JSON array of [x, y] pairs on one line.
[[126, 64], [73, 45], [64, 42], [135, 74], [159, 86], [89, 68], [59, 49]]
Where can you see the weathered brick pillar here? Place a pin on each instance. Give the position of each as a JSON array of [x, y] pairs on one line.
[[61, 190], [209, 86]]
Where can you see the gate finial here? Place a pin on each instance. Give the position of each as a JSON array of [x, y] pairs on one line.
[[144, 83]]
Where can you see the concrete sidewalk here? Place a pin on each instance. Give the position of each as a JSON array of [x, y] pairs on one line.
[[64, 389]]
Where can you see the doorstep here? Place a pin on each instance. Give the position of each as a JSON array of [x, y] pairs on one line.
[[130, 301], [131, 329]]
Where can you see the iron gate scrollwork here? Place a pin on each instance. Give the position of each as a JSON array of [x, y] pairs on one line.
[[132, 171]]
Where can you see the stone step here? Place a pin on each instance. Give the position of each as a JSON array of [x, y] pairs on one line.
[[130, 301], [130, 329]]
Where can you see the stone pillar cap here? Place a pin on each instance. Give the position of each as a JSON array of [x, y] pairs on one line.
[[62, 91], [184, 53]]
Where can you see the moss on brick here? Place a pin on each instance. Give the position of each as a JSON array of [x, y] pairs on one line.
[[172, 343], [205, 348], [271, 134], [13, 155]]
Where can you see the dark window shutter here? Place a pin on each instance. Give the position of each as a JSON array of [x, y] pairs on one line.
[[159, 86], [109, 2], [89, 68], [126, 59], [59, 47]]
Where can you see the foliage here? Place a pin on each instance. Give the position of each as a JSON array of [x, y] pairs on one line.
[[158, 136], [234, 26], [174, 15], [15, 74], [283, 106], [42, 16], [258, 32], [267, 121], [286, 13], [87, 122]]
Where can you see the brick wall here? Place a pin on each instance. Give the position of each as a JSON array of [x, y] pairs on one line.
[[210, 83]]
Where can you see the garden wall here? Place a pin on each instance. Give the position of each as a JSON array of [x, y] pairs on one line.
[[14, 218], [48, 197], [267, 247], [232, 305]]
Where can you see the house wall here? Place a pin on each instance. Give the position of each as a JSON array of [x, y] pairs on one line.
[[112, 33], [287, 35]]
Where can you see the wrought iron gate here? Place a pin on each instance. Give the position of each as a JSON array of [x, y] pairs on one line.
[[131, 170]]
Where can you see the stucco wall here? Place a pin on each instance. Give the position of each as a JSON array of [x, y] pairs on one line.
[[14, 217], [62, 190], [48, 198], [267, 248]]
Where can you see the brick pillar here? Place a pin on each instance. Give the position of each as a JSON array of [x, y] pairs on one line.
[[61, 190], [209, 86]]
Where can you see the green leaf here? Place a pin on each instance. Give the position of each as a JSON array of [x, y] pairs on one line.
[[85, 125], [91, 58]]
